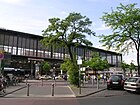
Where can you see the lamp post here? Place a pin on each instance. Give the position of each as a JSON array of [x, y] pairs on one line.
[[79, 62], [54, 75]]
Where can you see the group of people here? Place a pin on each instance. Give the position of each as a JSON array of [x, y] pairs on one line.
[[5, 81]]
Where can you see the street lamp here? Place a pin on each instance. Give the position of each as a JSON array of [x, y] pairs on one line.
[[54, 75], [79, 62]]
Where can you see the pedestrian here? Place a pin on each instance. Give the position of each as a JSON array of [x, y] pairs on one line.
[[2, 84]]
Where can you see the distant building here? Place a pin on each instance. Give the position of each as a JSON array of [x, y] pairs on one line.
[[26, 51]]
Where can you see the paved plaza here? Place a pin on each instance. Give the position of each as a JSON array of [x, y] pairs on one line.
[[37, 88]]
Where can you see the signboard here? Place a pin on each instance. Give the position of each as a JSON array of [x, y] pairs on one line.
[[34, 59], [79, 61]]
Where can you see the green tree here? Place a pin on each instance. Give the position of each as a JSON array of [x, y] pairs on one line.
[[125, 25], [72, 69], [132, 67], [45, 67], [124, 66], [65, 65], [68, 32], [97, 63]]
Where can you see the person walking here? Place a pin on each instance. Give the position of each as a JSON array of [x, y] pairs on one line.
[[2, 84]]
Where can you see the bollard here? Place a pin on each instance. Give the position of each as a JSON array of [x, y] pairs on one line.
[[97, 83], [42, 81], [27, 89], [52, 89]]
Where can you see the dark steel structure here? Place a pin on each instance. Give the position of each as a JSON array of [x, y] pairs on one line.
[[26, 51]]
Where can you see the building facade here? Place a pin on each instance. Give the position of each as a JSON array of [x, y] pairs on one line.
[[26, 51]]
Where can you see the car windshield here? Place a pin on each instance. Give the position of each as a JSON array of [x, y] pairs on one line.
[[132, 80], [116, 77]]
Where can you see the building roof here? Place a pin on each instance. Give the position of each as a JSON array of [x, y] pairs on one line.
[[40, 37]]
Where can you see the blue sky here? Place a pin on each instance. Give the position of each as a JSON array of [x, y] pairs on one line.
[[31, 16]]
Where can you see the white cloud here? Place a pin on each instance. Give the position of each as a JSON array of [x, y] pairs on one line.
[[96, 0], [64, 13], [123, 1], [26, 24], [102, 28], [107, 1], [14, 2], [131, 57]]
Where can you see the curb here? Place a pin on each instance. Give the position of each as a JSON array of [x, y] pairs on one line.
[[80, 96]]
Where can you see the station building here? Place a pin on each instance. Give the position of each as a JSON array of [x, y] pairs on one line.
[[24, 51]]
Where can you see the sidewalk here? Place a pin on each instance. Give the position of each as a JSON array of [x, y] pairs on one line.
[[88, 89], [62, 89], [11, 89]]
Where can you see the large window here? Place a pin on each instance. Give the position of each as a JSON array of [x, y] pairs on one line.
[[109, 58], [1, 39], [114, 58], [6, 40], [103, 55], [15, 41], [26, 45], [119, 60]]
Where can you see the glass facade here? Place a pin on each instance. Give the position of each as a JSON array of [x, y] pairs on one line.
[[29, 46]]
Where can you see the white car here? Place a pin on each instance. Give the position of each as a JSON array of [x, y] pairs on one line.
[[42, 77], [132, 84]]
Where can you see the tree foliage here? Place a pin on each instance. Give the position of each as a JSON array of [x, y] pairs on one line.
[[125, 25], [68, 32], [124, 66], [65, 65], [132, 67], [72, 69], [45, 66], [97, 63]]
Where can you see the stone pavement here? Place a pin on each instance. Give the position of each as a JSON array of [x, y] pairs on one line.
[[61, 89], [88, 89], [11, 89]]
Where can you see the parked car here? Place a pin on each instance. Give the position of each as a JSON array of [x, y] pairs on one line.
[[48, 77], [42, 77], [132, 84], [115, 81], [45, 77]]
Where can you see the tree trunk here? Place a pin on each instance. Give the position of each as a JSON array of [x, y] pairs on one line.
[[138, 62], [70, 52]]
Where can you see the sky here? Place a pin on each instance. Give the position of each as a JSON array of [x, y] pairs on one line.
[[31, 16]]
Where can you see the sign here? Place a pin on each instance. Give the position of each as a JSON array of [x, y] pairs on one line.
[[79, 62], [34, 59]]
